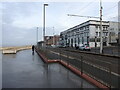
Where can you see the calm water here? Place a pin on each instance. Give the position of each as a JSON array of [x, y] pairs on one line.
[[24, 70]]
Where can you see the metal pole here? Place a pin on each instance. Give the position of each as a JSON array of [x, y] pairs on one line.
[[37, 35], [60, 55], [53, 36], [110, 75], [81, 65], [67, 58], [101, 38], [44, 23]]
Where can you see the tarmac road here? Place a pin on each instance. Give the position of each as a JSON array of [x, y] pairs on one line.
[[100, 61], [97, 66]]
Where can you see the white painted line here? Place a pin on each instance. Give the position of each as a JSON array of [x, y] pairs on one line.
[[96, 66]]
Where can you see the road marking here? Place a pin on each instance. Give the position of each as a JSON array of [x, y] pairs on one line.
[[62, 55], [96, 66], [84, 52]]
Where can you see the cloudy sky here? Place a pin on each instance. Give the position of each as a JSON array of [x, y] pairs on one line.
[[21, 19]]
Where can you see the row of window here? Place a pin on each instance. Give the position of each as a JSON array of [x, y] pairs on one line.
[[84, 28], [98, 34], [82, 40], [104, 27], [81, 34], [78, 40], [84, 32]]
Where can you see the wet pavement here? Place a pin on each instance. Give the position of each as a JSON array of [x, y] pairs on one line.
[[24, 70], [0, 70]]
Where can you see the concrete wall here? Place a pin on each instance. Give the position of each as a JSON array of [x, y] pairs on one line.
[[113, 32], [92, 31]]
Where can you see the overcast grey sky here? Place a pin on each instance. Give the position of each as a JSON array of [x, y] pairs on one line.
[[20, 19]]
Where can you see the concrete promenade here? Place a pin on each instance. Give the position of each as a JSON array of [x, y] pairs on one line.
[[14, 50], [25, 70]]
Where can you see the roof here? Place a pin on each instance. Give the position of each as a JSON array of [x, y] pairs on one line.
[[84, 23]]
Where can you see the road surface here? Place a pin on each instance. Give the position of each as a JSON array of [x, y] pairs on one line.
[[104, 69], [24, 70]]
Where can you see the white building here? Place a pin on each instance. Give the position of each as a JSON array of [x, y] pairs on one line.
[[85, 33], [113, 33]]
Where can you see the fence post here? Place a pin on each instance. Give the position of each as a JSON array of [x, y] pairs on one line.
[[81, 65], [60, 54], [68, 58], [46, 50], [112, 50]]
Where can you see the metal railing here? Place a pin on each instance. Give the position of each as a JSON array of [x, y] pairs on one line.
[[100, 70]]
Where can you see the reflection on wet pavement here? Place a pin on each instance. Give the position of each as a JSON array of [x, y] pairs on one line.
[[0, 69], [26, 70]]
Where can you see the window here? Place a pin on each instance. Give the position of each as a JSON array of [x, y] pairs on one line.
[[87, 27], [98, 39], [99, 34], [78, 40], [82, 40], [75, 40], [106, 28], [96, 27], [84, 34], [92, 39], [106, 33], [103, 28], [96, 33]]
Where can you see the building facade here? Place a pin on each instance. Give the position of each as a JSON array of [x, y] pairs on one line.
[[113, 33], [86, 33], [52, 40]]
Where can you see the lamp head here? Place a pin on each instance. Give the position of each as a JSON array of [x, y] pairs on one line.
[[45, 4]]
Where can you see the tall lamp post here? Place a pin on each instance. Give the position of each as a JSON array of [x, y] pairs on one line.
[[53, 37], [101, 32], [44, 22], [37, 35]]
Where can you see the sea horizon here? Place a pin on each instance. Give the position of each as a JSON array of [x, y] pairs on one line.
[[16, 45]]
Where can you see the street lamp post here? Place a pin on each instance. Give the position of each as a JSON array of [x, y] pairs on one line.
[[44, 22], [37, 35], [53, 37], [101, 32]]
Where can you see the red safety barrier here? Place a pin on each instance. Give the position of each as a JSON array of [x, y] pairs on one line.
[[78, 72]]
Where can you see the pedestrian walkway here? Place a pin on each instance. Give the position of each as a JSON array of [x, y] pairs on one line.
[[24, 70]]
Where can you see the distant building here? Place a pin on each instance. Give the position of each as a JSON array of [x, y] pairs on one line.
[[113, 33], [86, 33], [52, 40], [40, 44]]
